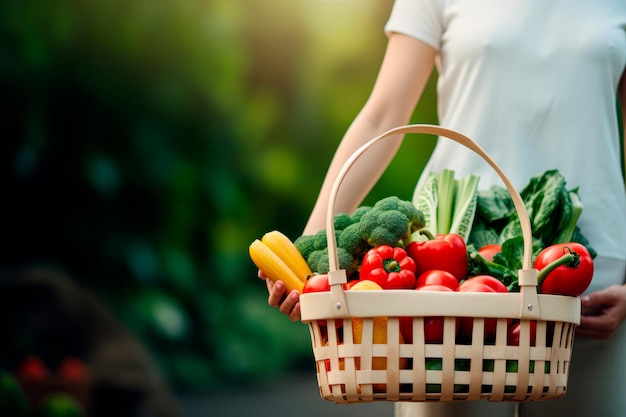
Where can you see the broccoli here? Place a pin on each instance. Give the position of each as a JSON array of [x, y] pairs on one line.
[[309, 244], [359, 212], [306, 244], [390, 221], [319, 262], [342, 220], [352, 241]]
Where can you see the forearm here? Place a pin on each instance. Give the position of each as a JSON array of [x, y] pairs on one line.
[[622, 99], [362, 175], [405, 70]]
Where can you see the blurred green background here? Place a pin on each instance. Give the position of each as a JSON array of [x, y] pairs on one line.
[[146, 144]]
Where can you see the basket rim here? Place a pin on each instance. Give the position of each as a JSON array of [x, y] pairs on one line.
[[410, 303]]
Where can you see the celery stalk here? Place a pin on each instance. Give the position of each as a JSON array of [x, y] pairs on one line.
[[426, 198], [448, 204], [464, 206], [445, 207]]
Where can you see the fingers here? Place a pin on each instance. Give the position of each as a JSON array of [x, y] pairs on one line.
[[276, 292], [291, 306], [288, 305], [600, 326]]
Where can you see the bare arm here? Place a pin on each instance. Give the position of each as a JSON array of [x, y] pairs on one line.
[[622, 99], [404, 72]]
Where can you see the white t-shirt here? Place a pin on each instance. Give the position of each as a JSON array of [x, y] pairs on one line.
[[534, 83]]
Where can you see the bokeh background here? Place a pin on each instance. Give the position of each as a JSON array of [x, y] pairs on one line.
[[146, 144]]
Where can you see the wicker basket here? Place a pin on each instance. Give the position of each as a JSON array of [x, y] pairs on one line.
[[454, 370]]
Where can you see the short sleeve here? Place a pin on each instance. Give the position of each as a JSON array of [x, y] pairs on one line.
[[420, 19]]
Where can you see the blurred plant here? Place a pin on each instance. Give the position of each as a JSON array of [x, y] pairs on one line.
[[146, 144]]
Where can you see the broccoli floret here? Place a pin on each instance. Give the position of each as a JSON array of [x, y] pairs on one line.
[[320, 263], [305, 245], [352, 241], [320, 240], [359, 212], [315, 257], [342, 220], [390, 221]]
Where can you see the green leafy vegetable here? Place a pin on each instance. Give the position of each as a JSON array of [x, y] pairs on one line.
[[553, 211], [448, 204]]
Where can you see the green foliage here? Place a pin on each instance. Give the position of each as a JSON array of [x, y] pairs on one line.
[[145, 145]]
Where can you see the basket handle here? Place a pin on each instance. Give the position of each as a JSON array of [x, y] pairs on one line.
[[527, 276]]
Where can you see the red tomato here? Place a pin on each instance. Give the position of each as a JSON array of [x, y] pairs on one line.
[[481, 283], [319, 283], [437, 276], [488, 251], [514, 333], [572, 277], [316, 283], [433, 326], [492, 282]]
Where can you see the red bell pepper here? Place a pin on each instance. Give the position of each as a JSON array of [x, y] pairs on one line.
[[389, 267], [444, 252], [564, 269]]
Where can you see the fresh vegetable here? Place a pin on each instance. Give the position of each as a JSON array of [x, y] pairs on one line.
[[490, 250], [564, 269], [445, 252], [437, 277], [273, 266], [284, 247], [320, 262], [379, 335], [481, 284], [307, 244], [483, 280], [552, 208], [448, 204], [513, 333], [390, 267], [433, 326], [316, 283], [319, 283], [390, 222], [504, 265], [352, 241], [350, 244]]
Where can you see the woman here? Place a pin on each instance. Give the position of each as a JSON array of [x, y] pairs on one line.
[[535, 83]]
